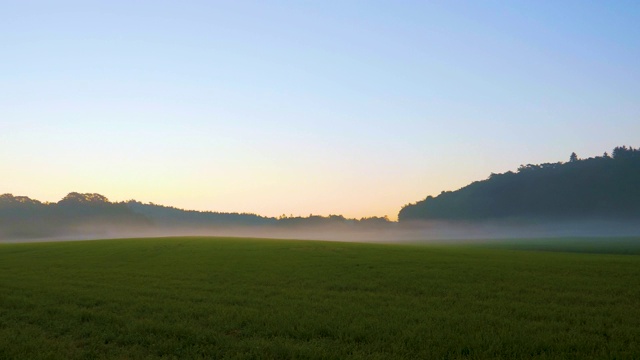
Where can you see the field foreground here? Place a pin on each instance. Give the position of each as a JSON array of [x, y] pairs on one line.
[[220, 298]]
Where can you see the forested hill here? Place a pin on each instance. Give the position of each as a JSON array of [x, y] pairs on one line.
[[604, 187]]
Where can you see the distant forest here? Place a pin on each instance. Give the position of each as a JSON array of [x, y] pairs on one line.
[[606, 186], [22, 217], [83, 214]]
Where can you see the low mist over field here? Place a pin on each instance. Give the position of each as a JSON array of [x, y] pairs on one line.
[[436, 231], [597, 197], [341, 229]]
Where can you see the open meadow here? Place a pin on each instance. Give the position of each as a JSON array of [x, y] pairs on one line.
[[231, 298]]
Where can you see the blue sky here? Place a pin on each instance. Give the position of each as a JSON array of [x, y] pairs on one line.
[[349, 107]]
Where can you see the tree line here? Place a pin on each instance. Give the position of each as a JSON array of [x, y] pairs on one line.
[[76, 213], [606, 186]]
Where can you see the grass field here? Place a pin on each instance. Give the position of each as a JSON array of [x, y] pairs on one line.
[[192, 298]]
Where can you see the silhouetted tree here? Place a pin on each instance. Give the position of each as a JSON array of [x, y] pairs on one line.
[[623, 152], [573, 157]]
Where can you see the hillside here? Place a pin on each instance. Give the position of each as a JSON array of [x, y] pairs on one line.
[[604, 187]]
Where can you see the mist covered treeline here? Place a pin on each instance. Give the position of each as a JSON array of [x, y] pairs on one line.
[[22, 217], [93, 215], [594, 196], [171, 216], [606, 186]]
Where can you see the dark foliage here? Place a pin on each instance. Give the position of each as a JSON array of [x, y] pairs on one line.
[[171, 216], [604, 186], [94, 215], [333, 221], [76, 213]]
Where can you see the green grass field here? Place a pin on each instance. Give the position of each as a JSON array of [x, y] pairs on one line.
[[216, 298]]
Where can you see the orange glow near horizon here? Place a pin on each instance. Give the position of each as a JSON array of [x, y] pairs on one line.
[[298, 109]]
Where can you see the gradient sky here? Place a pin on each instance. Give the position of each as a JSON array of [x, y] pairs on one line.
[[299, 107]]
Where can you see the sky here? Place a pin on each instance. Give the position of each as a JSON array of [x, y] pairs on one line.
[[306, 107]]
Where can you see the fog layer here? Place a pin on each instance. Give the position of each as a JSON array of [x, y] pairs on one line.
[[414, 232]]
